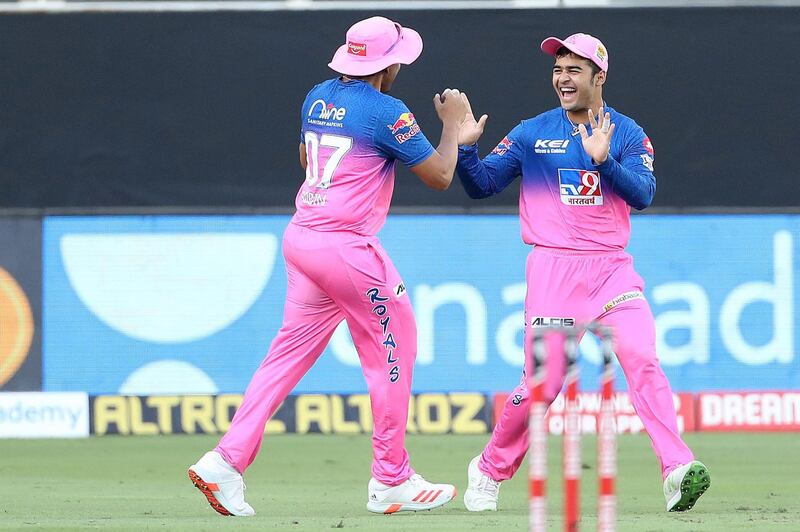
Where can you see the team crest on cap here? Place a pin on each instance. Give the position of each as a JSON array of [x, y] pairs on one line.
[[357, 48], [601, 53]]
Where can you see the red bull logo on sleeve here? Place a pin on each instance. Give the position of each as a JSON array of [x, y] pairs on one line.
[[502, 147], [404, 121], [579, 187], [648, 145]]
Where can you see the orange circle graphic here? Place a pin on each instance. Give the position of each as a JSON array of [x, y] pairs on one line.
[[16, 326]]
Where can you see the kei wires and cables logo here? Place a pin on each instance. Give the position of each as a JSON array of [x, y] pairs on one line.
[[16, 326]]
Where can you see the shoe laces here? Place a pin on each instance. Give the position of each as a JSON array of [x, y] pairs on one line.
[[489, 485], [416, 479], [239, 480]]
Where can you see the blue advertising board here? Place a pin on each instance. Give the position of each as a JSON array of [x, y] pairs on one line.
[[189, 304]]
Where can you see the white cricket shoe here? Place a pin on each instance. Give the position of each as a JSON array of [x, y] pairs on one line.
[[222, 485], [684, 485], [413, 495], [482, 492]]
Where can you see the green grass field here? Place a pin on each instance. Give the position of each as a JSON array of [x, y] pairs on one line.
[[315, 482]]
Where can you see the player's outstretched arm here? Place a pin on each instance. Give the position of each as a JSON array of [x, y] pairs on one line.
[[470, 130], [631, 177], [437, 170], [598, 144], [487, 177]]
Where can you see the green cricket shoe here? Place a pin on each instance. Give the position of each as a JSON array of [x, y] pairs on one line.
[[684, 485]]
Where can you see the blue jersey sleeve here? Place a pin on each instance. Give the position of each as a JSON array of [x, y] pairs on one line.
[[398, 135], [484, 178], [632, 176]]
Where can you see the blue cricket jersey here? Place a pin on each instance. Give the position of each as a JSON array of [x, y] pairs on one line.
[[567, 201]]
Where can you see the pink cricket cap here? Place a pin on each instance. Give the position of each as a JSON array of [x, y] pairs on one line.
[[580, 44], [374, 44]]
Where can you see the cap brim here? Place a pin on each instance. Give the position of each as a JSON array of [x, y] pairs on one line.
[[551, 45], [405, 52]]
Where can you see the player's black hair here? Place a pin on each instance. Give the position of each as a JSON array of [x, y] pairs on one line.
[[361, 78], [564, 51]]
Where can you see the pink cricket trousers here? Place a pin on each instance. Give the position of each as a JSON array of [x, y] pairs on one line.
[[589, 286], [334, 276]]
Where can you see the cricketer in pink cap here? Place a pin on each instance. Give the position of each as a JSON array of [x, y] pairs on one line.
[[581, 44], [374, 44], [578, 183]]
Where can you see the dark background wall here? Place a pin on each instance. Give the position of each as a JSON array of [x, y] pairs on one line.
[[201, 109]]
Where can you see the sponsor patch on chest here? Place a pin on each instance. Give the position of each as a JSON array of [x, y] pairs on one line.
[[551, 146], [579, 187]]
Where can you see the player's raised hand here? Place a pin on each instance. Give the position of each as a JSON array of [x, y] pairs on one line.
[[450, 107], [470, 130], [598, 143]]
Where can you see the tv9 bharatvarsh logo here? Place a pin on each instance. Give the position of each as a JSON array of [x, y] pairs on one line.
[[404, 121], [326, 113], [579, 187]]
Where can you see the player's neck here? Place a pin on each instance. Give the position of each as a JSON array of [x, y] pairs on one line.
[[581, 116], [375, 80]]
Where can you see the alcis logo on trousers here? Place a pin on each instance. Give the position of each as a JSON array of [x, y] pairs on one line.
[[546, 321]]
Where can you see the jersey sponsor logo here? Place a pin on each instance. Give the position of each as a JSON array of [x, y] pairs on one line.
[[647, 161], [326, 111], [503, 147], [627, 296], [313, 199], [546, 321], [551, 146], [579, 187], [400, 289], [357, 48], [648, 145], [404, 121]]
